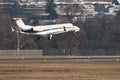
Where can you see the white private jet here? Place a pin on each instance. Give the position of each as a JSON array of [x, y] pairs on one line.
[[46, 30]]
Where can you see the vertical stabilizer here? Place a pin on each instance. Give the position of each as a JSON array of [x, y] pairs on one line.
[[21, 24]]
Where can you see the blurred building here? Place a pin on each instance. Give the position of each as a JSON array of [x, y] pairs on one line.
[[90, 8]]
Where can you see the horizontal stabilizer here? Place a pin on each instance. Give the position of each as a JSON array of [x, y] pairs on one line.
[[12, 29]]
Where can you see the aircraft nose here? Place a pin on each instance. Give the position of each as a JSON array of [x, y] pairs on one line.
[[77, 29]]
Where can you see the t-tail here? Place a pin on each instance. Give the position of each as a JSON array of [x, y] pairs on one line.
[[21, 24]]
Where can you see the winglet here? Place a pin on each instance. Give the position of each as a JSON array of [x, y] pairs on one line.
[[64, 28]]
